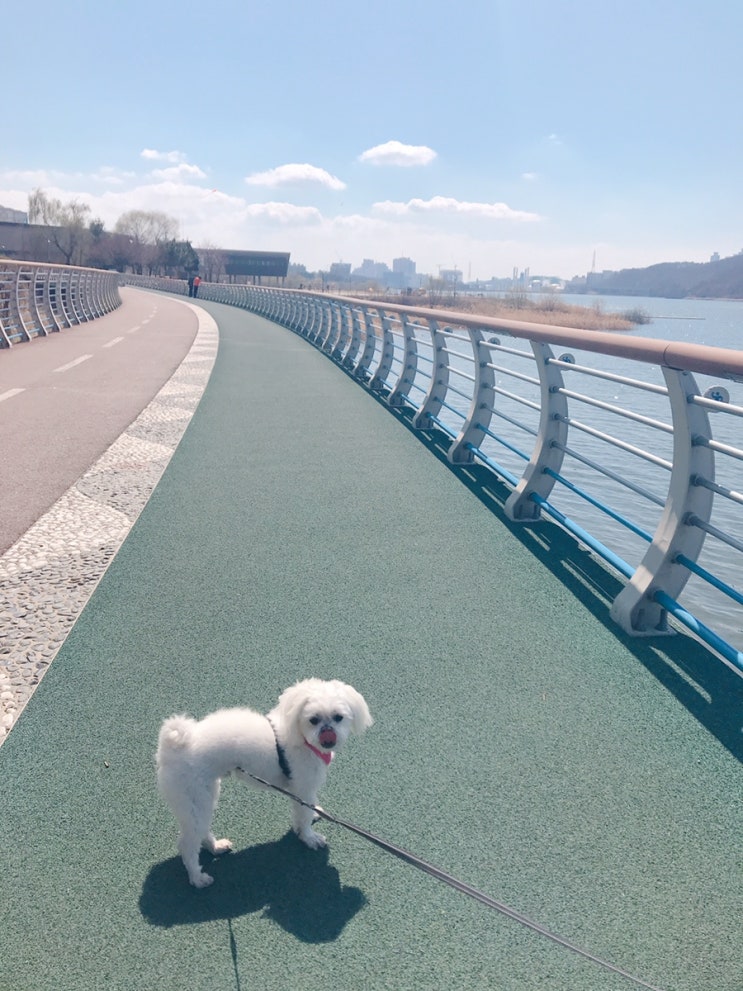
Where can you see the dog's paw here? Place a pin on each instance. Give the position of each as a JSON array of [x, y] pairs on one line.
[[202, 880], [315, 841], [221, 846]]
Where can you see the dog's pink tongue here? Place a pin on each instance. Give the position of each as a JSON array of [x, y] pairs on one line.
[[327, 737]]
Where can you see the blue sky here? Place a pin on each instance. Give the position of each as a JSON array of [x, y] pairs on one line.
[[484, 135]]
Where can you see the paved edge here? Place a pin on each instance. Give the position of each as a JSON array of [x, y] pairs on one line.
[[50, 573]]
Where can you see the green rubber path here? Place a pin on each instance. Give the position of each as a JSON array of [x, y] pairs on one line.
[[591, 782]]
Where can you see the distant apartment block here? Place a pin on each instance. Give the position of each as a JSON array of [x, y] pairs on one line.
[[340, 272]]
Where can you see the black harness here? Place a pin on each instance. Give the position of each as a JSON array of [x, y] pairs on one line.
[[281, 754]]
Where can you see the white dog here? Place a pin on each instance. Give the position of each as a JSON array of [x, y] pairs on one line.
[[291, 747]]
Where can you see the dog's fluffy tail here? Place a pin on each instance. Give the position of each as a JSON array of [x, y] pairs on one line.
[[175, 733]]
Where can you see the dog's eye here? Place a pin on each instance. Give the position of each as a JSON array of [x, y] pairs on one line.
[[314, 720], [337, 718]]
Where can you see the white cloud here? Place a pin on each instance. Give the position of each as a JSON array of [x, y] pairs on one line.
[[396, 153], [111, 176], [284, 213], [181, 171], [295, 174], [175, 157], [529, 176], [447, 205]]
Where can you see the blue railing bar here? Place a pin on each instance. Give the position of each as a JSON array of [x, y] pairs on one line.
[[726, 493], [452, 409], [607, 510], [711, 579], [512, 420], [568, 366], [715, 445], [613, 559], [504, 443], [638, 489], [489, 433], [513, 374], [425, 357], [725, 538], [442, 425], [617, 410], [414, 385], [459, 392], [425, 375], [726, 650], [493, 465], [622, 445]]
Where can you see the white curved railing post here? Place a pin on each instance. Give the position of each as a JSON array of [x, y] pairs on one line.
[[401, 390], [37, 299], [688, 504], [433, 400], [483, 401], [551, 439], [378, 381], [362, 368], [351, 357]]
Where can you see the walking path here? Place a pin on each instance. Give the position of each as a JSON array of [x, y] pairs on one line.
[[522, 744], [52, 433]]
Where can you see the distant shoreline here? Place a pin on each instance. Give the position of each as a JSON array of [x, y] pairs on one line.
[[551, 311]]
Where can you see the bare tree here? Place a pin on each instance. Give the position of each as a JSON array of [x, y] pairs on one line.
[[67, 223], [212, 261], [147, 231]]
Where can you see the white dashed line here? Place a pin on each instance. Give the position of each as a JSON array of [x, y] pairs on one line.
[[10, 393], [113, 341], [71, 364]]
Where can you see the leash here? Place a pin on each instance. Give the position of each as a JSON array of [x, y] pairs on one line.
[[453, 882]]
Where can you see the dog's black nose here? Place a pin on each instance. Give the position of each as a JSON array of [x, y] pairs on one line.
[[327, 737]]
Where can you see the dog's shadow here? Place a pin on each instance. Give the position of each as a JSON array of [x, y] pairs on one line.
[[295, 887]]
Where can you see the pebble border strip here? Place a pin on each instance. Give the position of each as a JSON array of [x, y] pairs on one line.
[[48, 575]]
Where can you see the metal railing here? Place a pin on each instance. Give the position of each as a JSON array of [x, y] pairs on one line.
[[38, 299], [610, 436]]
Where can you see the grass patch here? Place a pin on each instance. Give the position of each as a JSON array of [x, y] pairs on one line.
[[551, 310]]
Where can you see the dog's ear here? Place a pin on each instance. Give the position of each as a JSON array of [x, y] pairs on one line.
[[362, 718], [292, 700]]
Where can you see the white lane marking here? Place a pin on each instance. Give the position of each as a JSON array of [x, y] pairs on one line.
[[113, 341], [10, 393], [71, 364], [134, 329]]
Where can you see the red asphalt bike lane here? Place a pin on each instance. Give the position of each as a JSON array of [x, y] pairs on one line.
[[65, 398]]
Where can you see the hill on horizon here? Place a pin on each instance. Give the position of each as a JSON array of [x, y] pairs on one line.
[[719, 279]]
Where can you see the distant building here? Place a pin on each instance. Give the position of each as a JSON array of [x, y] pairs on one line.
[[404, 267], [9, 216], [241, 265], [403, 274], [369, 269], [340, 272]]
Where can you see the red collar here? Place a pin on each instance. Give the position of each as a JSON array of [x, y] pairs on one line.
[[325, 755]]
